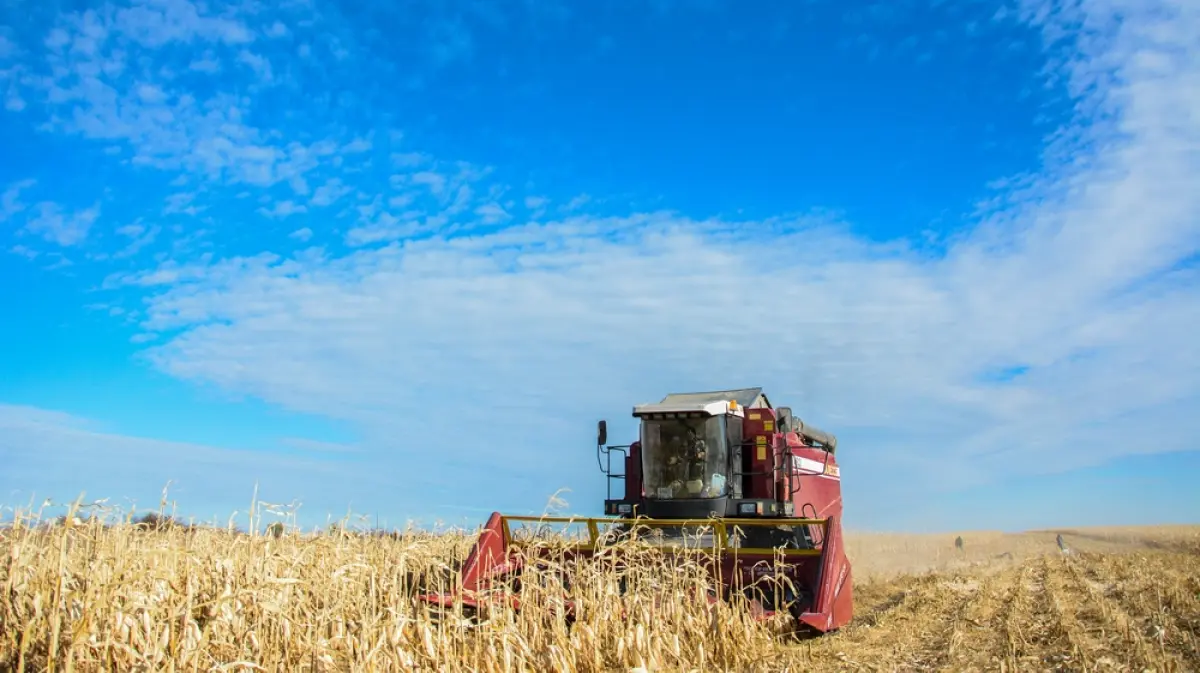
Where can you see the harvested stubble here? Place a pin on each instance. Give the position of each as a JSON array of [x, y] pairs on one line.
[[91, 598]]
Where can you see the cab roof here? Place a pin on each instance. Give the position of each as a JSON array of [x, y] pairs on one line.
[[713, 402], [750, 398]]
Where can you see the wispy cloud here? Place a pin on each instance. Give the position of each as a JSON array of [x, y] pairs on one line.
[[7, 48], [62, 228], [10, 199], [139, 237], [1072, 278], [55, 454], [283, 209], [328, 193], [181, 203], [103, 77]]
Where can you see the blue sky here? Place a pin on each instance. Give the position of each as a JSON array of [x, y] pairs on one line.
[[398, 258]]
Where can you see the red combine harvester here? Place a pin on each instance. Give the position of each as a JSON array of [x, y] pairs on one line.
[[723, 475]]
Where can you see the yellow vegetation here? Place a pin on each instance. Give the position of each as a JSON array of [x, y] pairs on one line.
[[86, 597]]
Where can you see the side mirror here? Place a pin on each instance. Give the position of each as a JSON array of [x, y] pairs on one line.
[[601, 433]]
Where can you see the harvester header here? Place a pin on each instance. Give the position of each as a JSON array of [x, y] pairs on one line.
[[765, 483]]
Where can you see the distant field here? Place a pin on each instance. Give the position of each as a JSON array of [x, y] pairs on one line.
[[881, 555], [1124, 599]]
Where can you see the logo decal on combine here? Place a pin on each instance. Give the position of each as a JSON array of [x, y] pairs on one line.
[[801, 465]]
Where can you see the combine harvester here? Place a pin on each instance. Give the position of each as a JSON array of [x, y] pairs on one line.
[[722, 476]]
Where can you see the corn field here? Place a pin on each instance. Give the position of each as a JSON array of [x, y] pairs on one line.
[[93, 596]]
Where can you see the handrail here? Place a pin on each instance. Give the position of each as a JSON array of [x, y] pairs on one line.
[[608, 450], [781, 521], [720, 530]]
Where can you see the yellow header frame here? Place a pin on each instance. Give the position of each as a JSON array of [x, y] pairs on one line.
[[720, 528]]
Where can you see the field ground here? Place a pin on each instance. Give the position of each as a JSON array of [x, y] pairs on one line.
[[1123, 599]]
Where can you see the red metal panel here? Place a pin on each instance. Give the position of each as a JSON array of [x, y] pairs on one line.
[[633, 473], [835, 597], [818, 477], [758, 431]]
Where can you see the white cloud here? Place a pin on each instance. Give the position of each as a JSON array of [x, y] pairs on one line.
[[13, 101], [402, 200], [409, 159], [357, 146], [492, 213], [7, 48], [181, 203], [155, 23], [102, 76], [321, 447], [208, 64], [535, 330], [60, 456], [328, 193], [576, 203], [302, 235], [283, 210], [63, 228], [10, 200], [259, 64], [24, 251], [434, 182], [10, 77], [141, 237], [63, 455], [382, 227]]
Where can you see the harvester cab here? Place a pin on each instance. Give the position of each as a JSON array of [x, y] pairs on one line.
[[719, 454], [721, 473]]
